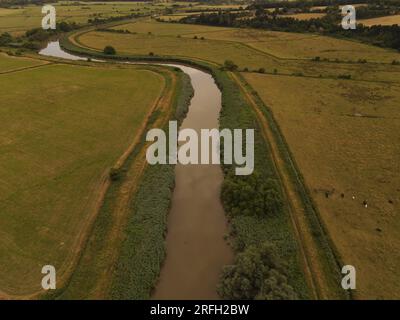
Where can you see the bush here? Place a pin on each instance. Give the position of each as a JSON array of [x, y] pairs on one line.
[[115, 174], [261, 70], [345, 76], [109, 50], [256, 274], [230, 65], [5, 39], [31, 45], [195, 37], [250, 195], [151, 54]]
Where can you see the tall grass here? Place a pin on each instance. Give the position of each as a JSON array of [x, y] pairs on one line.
[[143, 250]]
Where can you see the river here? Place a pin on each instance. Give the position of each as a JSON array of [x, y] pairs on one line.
[[196, 249]]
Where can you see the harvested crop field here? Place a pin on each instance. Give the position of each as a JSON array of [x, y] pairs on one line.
[[345, 138]]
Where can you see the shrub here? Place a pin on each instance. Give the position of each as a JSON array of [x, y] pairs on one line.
[[115, 174], [151, 54], [230, 65], [31, 45], [195, 37], [246, 69], [256, 274], [261, 70], [345, 76], [109, 50], [250, 195], [5, 38]]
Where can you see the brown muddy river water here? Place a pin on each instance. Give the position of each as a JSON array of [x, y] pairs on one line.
[[196, 249]]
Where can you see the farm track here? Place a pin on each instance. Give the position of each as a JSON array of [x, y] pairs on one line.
[[312, 265]]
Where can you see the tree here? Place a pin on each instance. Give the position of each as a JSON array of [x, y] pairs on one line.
[[251, 195], [230, 65], [5, 39], [256, 274], [109, 50]]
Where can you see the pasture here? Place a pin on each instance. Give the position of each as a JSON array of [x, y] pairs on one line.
[[345, 139], [63, 128]]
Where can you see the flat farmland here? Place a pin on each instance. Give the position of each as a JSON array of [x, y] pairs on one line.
[[167, 29], [304, 16], [207, 50], [384, 21], [18, 20], [288, 53], [63, 128], [345, 138], [303, 46], [9, 63]]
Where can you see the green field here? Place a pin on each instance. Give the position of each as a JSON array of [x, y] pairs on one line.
[[63, 127]]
